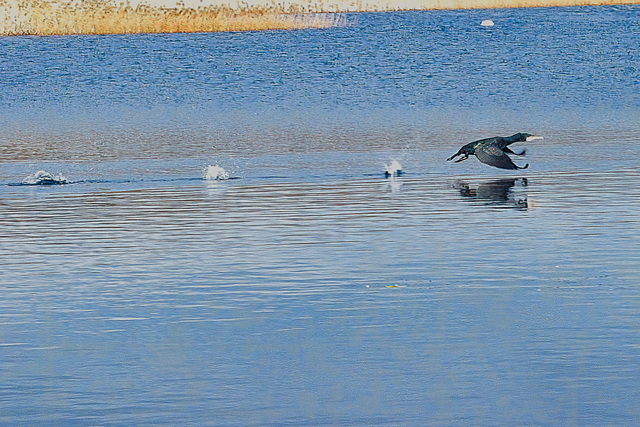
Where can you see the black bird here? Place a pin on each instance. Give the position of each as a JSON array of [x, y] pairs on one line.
[[493, 151]]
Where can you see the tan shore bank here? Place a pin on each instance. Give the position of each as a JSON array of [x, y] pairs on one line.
[[58, 17]]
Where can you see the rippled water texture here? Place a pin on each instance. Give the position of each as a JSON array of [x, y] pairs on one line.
[[198, 229]]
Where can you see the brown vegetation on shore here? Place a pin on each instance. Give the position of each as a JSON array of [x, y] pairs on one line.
[[41, 17], [58, 17]]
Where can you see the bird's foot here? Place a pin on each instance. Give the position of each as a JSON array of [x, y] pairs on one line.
[[461, 159]]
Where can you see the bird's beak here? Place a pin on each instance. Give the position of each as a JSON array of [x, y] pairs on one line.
[[533, 138]]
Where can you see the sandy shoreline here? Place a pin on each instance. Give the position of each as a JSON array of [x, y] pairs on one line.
[[314, 6], [54, 17], [385, 5]]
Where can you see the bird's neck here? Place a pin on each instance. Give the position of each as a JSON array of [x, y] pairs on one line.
[[513, 138]]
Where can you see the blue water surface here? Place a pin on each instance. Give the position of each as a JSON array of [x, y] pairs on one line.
[[305, 287]]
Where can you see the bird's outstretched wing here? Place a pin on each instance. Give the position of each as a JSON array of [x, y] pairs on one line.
[[494, 156]]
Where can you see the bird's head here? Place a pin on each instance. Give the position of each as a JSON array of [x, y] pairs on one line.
[[521, 137]]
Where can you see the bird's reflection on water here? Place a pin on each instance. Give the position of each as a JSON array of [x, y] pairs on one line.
[[497, 193]]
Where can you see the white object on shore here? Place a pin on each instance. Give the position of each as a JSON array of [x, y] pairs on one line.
[[487, 23]]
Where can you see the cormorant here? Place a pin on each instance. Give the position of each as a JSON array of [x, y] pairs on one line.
[[493, 151]]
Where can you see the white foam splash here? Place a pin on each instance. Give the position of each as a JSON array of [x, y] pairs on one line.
[[44, 178], [216, 173], [487, 23], [393, 169]]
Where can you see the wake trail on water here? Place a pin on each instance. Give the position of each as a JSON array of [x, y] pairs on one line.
[[211, 173], [44, 178]]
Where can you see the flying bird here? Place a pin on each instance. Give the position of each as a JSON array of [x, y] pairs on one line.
[[493, 151]]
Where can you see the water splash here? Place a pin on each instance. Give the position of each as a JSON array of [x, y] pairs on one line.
[[393, 169], [216, 173], [45, 178]]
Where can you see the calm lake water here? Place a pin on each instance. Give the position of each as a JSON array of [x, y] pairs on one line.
[[308, 289]]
